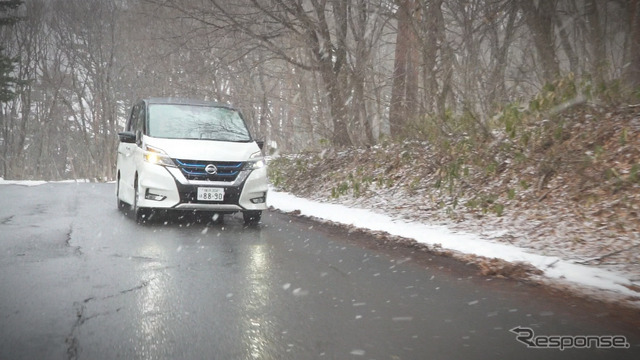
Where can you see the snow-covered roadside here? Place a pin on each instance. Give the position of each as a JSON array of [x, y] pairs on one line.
[[21, 182], [36, 182], [587, 278]]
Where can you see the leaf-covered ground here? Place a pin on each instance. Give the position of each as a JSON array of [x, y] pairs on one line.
[[566, 186]]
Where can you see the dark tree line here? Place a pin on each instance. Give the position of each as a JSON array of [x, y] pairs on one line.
[[306, 73]]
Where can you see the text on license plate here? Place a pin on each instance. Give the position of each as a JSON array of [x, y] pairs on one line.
[[210, 194]]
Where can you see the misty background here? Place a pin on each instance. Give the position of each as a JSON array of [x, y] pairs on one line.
[[307, 74]]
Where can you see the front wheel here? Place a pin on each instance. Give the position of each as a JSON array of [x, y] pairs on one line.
[[121, 204], [140, 215], [252, 217]]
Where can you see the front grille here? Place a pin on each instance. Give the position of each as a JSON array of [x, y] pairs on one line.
[[194, 170]]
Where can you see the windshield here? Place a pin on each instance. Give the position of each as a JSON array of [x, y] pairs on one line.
[[179, 121]]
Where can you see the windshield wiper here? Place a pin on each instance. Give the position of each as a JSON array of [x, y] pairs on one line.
[[227, 140]]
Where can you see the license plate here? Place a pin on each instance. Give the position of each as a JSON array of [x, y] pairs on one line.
[[210, 194]]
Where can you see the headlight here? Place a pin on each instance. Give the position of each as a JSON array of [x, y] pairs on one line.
[[156, 156], [256, 161], [254, 165]]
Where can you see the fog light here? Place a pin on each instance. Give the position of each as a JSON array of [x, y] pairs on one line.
[[155, 197], [260, 200]]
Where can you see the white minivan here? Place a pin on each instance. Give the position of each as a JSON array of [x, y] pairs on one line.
[[188, 155]]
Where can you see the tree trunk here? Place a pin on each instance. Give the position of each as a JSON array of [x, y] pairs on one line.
[[397, 106], [633, 70], [539, 19], [498, 93], [567, 46], [337, 107], [598, 49], [405, 74]]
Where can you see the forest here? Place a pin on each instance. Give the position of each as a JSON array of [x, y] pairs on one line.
[[307, 74]]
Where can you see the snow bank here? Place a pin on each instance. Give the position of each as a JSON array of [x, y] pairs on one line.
[[552, 267], [21, 182], [36, 182]]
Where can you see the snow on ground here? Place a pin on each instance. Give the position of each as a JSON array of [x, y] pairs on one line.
[[35, 182], [21, 182], [554, 268]]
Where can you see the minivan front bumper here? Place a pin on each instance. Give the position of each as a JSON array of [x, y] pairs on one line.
[[166, 188]]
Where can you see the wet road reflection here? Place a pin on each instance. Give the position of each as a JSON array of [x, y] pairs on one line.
[[255, 302], [151, 334]]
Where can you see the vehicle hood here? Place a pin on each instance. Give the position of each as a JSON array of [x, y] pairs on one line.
[[204, 149]]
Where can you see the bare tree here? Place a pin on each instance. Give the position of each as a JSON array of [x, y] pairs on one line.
[[302, 71], [633, 70], [85, 30], [404, 93], [502, 19], [540, 20], [330, 38]]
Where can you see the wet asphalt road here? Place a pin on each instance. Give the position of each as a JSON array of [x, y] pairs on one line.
[[80, 280]]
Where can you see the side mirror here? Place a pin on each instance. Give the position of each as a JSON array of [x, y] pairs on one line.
[[127, 137], [260, 143]]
